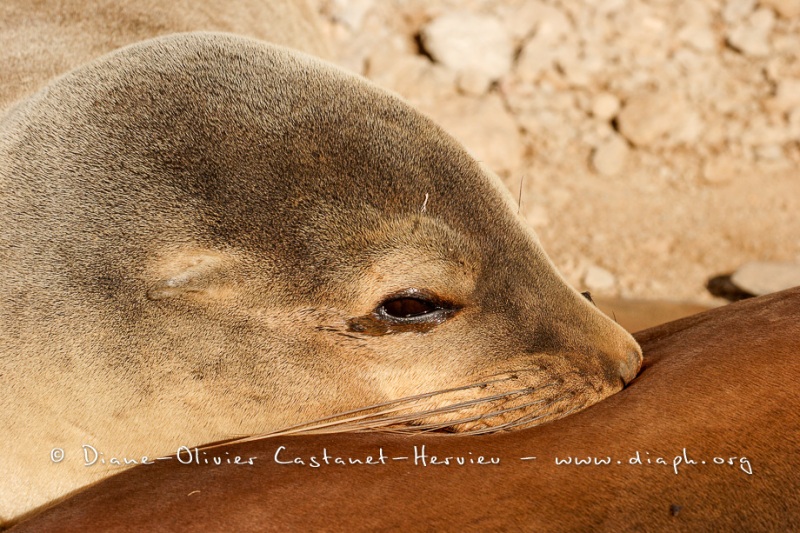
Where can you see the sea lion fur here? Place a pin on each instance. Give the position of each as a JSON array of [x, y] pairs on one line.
[[42, 40], [205, 236], [706, 439]]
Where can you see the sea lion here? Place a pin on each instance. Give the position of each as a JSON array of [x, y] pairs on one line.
[[206, 236], [705, 439], [43, 40]]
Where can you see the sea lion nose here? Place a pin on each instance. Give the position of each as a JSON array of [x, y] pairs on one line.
[[629, 367]]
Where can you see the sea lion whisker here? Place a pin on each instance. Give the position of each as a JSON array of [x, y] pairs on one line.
[[372, 420], [519, 423], [433, 427], [381, 422], [486, 415], [335, 420], [525, 420], [512, 373], [363, 424], [315, 426]]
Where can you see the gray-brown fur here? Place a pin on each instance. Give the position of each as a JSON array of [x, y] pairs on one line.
[[41, 39], [193, 231]]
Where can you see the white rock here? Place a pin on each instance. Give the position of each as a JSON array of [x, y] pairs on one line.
[[537, 216], [760, 133], [551, 24], [699, 13], [695, 67], [610, 157], [358, 49], [763, 20], [598, 279], [577, 71], [605, 106], [562, 101], [610, 6], [785, 44], [785, 8], [770, 152], [351, 13], [736, 10], [699, 37], [473, 82], [759, 277], [689, 130], [659, 118], [553, 126], [535, 58], [462, 41], [787, 96], [413, 76], [487, 130], [794, 124], [595, 133], [572, 270], [752, 36], [535, 17]]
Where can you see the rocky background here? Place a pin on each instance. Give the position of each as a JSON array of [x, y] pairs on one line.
[[656, 143]]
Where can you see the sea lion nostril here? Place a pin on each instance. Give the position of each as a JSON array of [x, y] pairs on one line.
[[629, 368]]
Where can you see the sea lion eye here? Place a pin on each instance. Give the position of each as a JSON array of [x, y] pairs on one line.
[[407, 307], [411, 310]]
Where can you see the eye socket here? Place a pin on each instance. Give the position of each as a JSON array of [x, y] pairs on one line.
[[407, 307]]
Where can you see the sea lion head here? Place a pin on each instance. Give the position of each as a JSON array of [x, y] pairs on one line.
[[258, 239]]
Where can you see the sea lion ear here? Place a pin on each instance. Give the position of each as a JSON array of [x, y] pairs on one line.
[[180, 273]]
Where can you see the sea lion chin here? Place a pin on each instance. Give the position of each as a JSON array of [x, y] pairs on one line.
[[207, 236]]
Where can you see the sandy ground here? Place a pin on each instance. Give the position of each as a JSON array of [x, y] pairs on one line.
[[657, 143]]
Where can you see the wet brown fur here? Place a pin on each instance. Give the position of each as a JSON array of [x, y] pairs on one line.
[[195, 232]]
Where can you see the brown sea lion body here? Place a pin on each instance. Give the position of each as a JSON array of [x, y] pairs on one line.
[[705, 439], [204, 236]]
